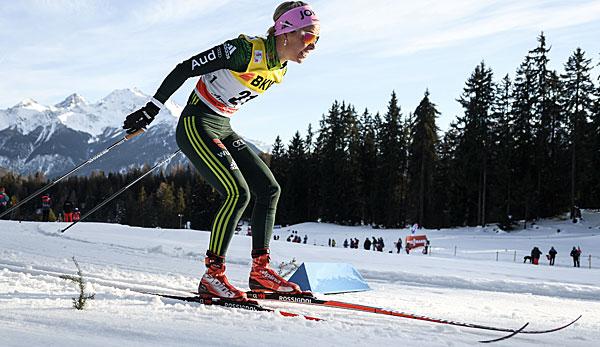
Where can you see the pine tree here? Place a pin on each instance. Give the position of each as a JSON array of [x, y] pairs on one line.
[[501, 146], [353, 181], [392, 166], [578, 103], [422, 161], [279, 167], [312, 177], [474, 149], [447, 182], [180, 205], [546, 122], [367, 158], [331, 155], [294, 192], [523, 158]]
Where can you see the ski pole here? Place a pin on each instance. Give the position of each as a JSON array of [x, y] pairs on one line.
[[55, 181], [121, 190]]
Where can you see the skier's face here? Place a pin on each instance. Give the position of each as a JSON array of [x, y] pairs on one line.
[[300, 43]]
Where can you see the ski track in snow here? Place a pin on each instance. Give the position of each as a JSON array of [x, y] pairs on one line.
[[36, 307]]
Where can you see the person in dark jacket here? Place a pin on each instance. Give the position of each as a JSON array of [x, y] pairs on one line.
[[552, 255], [535, 255], [575, 254], [68, 211], [4, 200], [46, 203], [399, 244], [367, 244]]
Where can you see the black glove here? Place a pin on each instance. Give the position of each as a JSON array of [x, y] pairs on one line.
[[141, 118]]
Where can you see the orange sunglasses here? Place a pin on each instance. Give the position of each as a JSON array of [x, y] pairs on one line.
[[309, 38]]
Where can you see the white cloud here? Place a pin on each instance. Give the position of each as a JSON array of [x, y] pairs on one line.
[[391, 28], [170, 10]]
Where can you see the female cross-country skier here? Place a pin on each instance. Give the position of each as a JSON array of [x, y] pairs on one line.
[[232, 74]]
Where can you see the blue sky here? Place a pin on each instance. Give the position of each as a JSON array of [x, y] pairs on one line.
[[52, 48]]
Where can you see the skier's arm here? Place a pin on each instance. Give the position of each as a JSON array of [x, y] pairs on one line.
[[233, 55]]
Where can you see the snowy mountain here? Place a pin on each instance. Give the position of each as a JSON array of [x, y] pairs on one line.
[[53, 139], [472, 275]]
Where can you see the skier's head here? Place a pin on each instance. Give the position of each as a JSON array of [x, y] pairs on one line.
[[296, 30]]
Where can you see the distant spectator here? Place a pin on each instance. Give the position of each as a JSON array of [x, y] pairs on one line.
[[426, 249], [46, 204], [399, 244], [535, 255], [356, 241], [367, 244], [305, 239], [77, 216], [329, 243], [346, 243], [575, 254], [332, 242], [68, 211], [4, 200], [374, 243], [414, 228], [552, 255], [380, 244]]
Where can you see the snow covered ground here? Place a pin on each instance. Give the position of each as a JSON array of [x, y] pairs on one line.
[[471, 286]]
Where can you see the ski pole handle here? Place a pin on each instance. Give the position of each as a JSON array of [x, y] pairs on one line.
[[132, 135]]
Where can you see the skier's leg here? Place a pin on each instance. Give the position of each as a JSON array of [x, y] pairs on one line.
[[212, 159], [266, 191], [198, 138], [263, 186]]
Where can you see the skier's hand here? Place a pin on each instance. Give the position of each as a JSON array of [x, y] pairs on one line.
[[141, 118]]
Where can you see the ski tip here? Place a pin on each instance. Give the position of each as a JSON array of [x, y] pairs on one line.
[[515, 332]]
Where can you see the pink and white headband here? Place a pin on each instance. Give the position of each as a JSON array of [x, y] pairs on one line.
[[294, 19]]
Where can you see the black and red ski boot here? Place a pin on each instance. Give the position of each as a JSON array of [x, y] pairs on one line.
[[214, 282], [265, 279]]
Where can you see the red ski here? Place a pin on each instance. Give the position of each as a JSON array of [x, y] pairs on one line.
[[311, 300]]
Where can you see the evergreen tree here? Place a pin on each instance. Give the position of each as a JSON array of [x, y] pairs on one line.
[[546, 122], [294, 192], [422, 161], [279, 167], [353, 181], [331, 154], [311, 177], [523, 158], [473, 152], [392, 166], [367, 159], [501, 148], [166, 204], [595, 141], [578, 103]]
